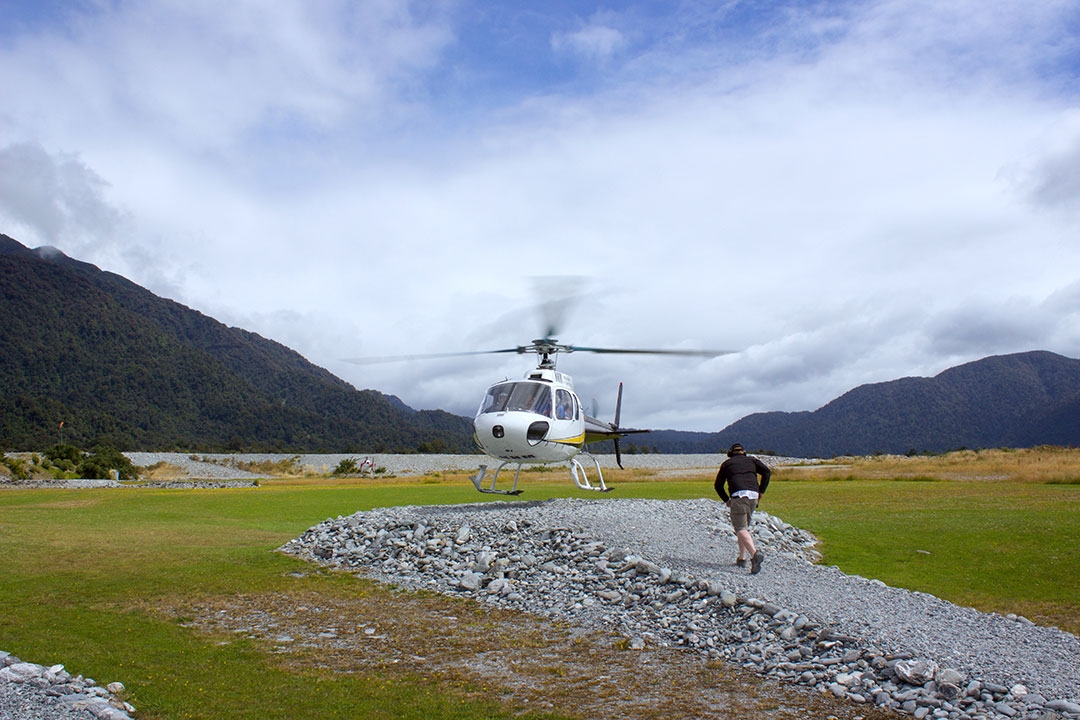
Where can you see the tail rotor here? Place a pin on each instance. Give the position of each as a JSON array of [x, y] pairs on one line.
[[615, 427]]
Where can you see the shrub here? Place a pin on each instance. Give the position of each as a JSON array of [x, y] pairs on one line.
[[347, 466], [16, 466], [65, 457], [102, 460]]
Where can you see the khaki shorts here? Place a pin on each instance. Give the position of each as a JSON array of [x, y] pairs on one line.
[[741, 508]]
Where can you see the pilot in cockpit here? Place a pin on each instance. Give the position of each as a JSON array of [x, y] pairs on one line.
[[564, 407]]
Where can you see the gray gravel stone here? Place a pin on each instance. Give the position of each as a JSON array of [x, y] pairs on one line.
[[29, 691], [663, 570]]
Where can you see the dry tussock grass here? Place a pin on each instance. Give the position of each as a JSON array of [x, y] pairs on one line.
[[1044, 464], [161, 471]]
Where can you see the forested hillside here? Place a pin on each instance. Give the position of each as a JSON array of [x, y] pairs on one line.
[[116, 363]]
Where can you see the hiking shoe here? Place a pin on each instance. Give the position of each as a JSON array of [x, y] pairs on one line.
[[741, 562], [755, 563]]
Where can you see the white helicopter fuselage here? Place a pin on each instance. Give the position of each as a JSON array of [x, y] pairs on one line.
[[538, 419]]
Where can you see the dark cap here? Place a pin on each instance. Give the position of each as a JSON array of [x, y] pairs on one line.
[[734, 449]]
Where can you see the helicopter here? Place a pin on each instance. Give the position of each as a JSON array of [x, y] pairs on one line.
[[540, 420]]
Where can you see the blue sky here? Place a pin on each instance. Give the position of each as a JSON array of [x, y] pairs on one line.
[[844, 192]]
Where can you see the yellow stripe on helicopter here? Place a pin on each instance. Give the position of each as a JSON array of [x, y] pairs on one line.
[[576, 440]]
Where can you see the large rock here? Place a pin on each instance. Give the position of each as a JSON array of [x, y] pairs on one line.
[[1065, 706], [22, 672], [949, 683], [916, 672]]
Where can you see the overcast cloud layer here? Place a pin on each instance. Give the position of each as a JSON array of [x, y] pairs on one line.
[[842, 192]]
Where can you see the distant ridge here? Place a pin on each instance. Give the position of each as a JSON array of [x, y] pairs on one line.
[[116, 363], [1018, 400]]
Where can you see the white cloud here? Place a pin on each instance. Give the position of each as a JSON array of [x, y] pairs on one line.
[[56, 199], [224, 83], [1056, 182], [593, 42]]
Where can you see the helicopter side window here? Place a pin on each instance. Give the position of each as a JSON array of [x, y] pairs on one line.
[[530, 397], [496, 398], [564, 405]]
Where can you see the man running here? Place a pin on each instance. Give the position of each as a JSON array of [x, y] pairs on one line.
[[740, 474]]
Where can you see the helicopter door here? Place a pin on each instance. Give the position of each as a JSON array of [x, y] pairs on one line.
[[565, 407]]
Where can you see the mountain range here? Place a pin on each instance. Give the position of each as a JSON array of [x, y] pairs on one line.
[[115, 363]]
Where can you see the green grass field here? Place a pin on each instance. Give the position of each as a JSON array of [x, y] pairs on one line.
[[85, 575]]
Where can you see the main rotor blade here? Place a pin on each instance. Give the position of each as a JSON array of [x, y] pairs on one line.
[[538, 346], [643, 351], [556, 297], [430, 356]]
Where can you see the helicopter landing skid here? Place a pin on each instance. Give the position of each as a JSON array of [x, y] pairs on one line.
[[582, 480], [478, 479]]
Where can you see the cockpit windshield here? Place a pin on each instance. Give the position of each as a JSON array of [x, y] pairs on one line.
[[520, 396]]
